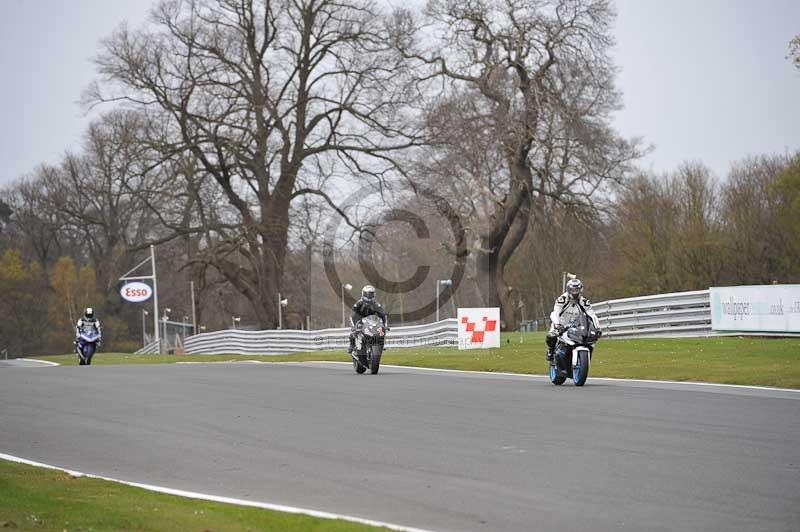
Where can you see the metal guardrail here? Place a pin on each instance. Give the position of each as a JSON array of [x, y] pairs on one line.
[[676, 314], [276, 342], [149, 349]]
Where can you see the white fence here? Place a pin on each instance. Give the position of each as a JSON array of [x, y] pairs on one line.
[[676, 314], [277, 342]]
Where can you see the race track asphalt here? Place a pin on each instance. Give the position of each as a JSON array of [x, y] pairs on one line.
[[436, 450]]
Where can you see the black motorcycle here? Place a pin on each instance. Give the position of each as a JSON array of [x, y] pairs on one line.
[[370, 335], [573, 352]]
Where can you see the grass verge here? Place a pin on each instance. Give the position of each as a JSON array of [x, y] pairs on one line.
[[34, 498], [730, 360]]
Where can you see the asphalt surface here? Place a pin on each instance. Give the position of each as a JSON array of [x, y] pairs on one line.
[[442, 451]]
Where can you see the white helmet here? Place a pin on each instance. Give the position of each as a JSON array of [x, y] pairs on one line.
[[89, 313], [574, 288]]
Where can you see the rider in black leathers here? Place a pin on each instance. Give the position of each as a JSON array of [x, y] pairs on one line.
[[365, 306]]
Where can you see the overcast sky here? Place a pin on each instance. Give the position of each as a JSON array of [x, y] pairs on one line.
[[702, 80]]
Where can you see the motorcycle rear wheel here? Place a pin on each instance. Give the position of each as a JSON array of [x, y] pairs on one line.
[[555, 376]]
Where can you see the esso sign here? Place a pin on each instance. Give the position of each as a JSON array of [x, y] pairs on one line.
[[136, 292]]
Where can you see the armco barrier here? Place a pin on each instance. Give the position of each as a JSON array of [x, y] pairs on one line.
[[675, 314], [277, 342]]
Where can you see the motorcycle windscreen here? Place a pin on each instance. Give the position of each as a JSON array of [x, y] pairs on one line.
[[372, 323], [582, 330]]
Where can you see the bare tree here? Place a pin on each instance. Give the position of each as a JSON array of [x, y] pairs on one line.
[[260, 93], [531, 82], [794, 51], [34, 226]]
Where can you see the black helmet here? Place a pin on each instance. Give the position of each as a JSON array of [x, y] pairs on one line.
[[368, 292], [574, 288], [89, 313]]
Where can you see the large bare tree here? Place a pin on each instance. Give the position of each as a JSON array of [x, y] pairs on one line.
[[527, 89], [274, 99]]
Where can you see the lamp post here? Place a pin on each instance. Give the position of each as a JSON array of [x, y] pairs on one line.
[[441, 282], [164, 319], [564, 277], [233, 321], [281, 303], [144, 325], [347, 287]]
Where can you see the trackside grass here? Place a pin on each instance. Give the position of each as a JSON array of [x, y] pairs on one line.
[[33, 498], [757, 361]]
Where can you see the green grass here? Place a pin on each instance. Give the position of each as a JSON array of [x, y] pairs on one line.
[[33, 498], [732, 360]]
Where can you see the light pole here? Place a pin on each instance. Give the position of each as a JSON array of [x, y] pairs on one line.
[[233, 321], [347, 287], [443, 282], [164, 318], [144, 325], [281, 303], [565, 276]]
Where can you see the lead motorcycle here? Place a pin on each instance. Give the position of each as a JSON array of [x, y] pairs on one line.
[[86, 344], [370, 336], [573, 352]]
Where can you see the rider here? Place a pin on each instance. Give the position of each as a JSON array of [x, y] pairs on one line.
[[88, 319], [365, 306], [568, 305]]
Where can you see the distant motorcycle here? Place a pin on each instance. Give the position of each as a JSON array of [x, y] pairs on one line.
[[86, 344], [370, 335], [573, 352]]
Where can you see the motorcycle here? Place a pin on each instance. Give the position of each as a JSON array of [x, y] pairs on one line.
[[573, 352], [370, 335], [86, 344]]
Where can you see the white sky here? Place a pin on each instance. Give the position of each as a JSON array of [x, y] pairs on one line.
[[702, 80]]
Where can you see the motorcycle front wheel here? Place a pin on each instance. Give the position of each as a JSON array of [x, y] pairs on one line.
[[581, 370], [375, 358]]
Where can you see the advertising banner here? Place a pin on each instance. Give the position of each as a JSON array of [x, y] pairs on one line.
[[766, 308], [478, 328]]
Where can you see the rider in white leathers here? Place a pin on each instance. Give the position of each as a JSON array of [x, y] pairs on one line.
[[567, 306]]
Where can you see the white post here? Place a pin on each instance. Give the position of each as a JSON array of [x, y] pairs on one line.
[[437, 300], [144, 331], [194, 310], [446, 282], [280, 314], [155, 298], [347, 286]]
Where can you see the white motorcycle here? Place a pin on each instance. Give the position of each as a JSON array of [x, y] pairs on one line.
[[573, 352]]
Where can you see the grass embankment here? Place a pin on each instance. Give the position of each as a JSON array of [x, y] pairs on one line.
[[730, 360], [33, 498]]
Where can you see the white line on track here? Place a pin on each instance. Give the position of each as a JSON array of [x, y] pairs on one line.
[[45, 362], [217, 498], [539, 377]]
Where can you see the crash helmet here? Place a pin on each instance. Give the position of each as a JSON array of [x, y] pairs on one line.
[[89, 313], [574, 288], [368, 292]]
